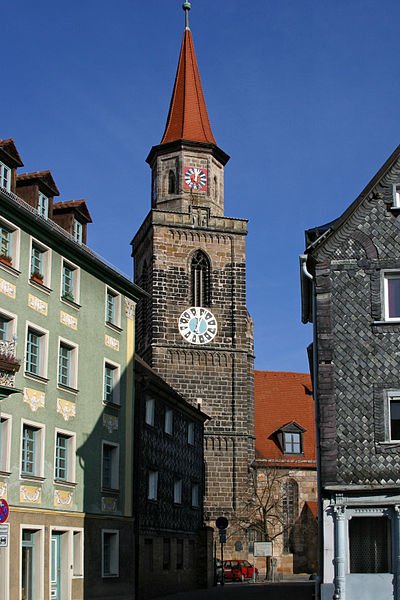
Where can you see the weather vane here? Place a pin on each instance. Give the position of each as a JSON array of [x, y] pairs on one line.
[[186, 7]]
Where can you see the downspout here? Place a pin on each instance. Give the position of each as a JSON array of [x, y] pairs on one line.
[[310, 277]]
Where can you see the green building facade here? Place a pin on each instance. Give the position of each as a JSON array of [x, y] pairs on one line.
[[66, 445]]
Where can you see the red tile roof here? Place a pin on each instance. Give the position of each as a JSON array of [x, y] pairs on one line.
[[9, 148], [188, 117], [281, 398], [78, 205], [313, 507], [45, 177]]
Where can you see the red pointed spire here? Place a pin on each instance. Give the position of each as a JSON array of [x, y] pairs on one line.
[[188, 117]]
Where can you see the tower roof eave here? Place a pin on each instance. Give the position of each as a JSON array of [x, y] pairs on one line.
[[181, 144]]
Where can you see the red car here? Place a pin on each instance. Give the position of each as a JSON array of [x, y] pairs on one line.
[[239, 570]]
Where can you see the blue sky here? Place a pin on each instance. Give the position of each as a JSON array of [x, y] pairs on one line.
[[302, 95]]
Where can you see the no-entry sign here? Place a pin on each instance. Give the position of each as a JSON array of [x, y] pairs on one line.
[[4, 511]]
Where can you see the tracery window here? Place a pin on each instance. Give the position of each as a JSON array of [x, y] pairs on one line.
[[290, 507], [200, 271]]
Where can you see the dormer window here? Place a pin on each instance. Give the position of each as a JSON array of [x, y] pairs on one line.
[[290, 438], [5, 177], [78, 231], [43, 206]]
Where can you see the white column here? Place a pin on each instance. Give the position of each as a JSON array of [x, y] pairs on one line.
[[339, 560], [396, 544]]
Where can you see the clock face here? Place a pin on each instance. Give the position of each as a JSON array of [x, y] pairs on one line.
[[197, 325], [195, 178]]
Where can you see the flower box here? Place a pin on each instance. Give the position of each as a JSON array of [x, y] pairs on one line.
[[37, 277], [6, 260]]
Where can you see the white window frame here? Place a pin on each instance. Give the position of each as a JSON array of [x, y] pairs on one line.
[[46, 251], [177, 491], [116, 381], [386, 275], [78, 231], [44, 351], [391, 395], [5, 442], [74, 349], [114, 465], [71, 460], [149, 411], [169, 420], [117, 316], [72, 548], [396, 195], [43, 205], [152, 485], [195, 494], [12, 323], [288, 445], [76, 281], [190, 433], [3, 168], [14, 243], [115, 534], [39, 451], [39, 561]]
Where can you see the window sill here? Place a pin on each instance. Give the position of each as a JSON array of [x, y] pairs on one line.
[[115, 405], [110, 491], [10, 269], [63, 483], [40, 286], [114, 327], [70, 303], [5, 473], [388, 322], [66, 388], [110, 576], [35, 377], [29, 477]]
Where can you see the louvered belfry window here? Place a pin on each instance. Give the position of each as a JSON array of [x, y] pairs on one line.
[[369, 545], [200, 279]]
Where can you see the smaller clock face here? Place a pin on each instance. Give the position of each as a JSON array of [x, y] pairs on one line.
[[195, 178], [197, 325]]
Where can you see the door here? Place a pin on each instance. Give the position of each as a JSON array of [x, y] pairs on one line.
[[55, 573], [27, 557]]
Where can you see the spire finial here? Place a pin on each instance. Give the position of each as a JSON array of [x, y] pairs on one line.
[[186, 7]]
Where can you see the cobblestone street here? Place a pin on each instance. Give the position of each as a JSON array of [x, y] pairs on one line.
[[258, 591]]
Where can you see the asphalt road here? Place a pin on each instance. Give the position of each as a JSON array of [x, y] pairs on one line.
[[243, 591]]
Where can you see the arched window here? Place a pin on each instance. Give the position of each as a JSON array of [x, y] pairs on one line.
[[290, 507], [200, 272], [215, 188], [171, 183]]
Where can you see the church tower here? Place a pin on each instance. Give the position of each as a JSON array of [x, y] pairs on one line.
[[194, 328]]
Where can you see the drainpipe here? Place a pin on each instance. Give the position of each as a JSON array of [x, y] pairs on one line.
[[310, 277]]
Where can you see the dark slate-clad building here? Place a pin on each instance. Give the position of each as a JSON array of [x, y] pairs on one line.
[[350, 277], [175, 550]]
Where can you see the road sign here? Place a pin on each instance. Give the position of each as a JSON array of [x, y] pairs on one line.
[[262, 548], [3, 510], [222, 523], [4, 536]]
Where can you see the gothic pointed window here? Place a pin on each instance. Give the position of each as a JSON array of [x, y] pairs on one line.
[[290, 507], [171, 183], [200, 271]]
